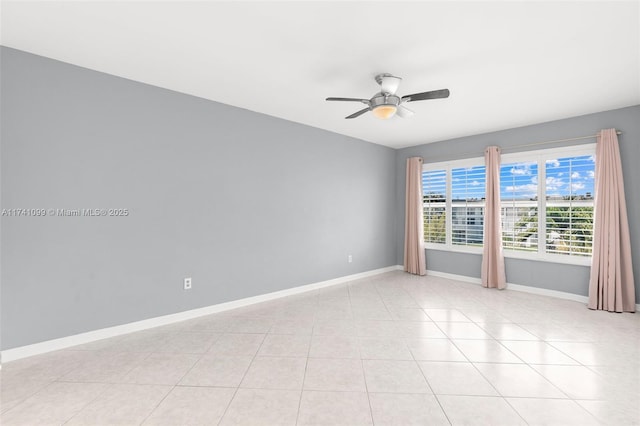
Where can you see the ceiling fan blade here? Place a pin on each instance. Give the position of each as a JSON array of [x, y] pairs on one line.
[[404, 112], [434, 94], [364, 101], [389, 84], [358, 114]]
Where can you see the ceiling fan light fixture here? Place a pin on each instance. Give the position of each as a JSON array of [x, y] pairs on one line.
[[384, 112]]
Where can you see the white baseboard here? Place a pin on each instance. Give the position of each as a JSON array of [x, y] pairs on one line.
[[547, 292], [90, 336], [519, 287], [456, 277], [515, 287]]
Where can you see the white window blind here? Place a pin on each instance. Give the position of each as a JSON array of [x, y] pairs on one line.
[[467, 205], [569, 205], [434, 192], [519, 205]]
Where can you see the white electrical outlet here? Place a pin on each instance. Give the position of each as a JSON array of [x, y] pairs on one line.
[[350, 259], [187, 283]]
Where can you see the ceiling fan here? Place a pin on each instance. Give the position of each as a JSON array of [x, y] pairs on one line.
[[385, 104]]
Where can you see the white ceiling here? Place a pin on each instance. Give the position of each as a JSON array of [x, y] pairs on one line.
[[506, 64]]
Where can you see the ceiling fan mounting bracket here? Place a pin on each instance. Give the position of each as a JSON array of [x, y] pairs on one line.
[[379, 77]]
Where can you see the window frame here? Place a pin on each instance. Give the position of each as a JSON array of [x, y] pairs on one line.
[[539, 156], [447, 166]]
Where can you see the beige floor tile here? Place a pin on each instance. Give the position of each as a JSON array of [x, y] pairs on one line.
[[292, 326], [212, 323], [334, 375], [485, 351], [507, 331], [613, 412], [162, 369], [551, 412], [394, 377], [368, 313], [188, 343], [479, 410], [406, 409], [237, 344], [518, 380], [434, 350], [409, 314], [106, 367], [121, 404], [141, 341], [537, 352], [446, 315], [275, 373], [484, 315], [250, 325], [576, 381], [589, 353], [293, 345], [384, 348], [197, 406], [455, 378], [14, 390], [373, 328], [332, 327], [221, 371], [553, 332], [256, 407], [46, 367], [418, 330], [463, 330], [334, 346], [54, 404], [334, 408]]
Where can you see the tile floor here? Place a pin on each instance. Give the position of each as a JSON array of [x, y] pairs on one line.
[[394, 349]]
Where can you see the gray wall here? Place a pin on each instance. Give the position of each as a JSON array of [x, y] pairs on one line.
[[554, 276], [244, 203]]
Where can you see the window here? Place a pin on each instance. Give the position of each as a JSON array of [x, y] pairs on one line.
[[565, 227], [569, 205], [434, 194], [454, 200], [519, 205], [467, 205]]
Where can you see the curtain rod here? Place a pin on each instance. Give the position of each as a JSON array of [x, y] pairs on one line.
[[618, 132]]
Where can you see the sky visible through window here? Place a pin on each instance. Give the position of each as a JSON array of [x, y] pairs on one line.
[[565, 177]]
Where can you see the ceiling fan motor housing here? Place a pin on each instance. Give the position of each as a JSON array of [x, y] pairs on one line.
[[380, 99]]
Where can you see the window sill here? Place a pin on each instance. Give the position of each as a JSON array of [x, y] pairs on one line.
[[550, 258], [462, 249], [566, 260]]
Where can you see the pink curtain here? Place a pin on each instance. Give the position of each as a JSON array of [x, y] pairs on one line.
[[493, 273], [414, 260], [611, 284]]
